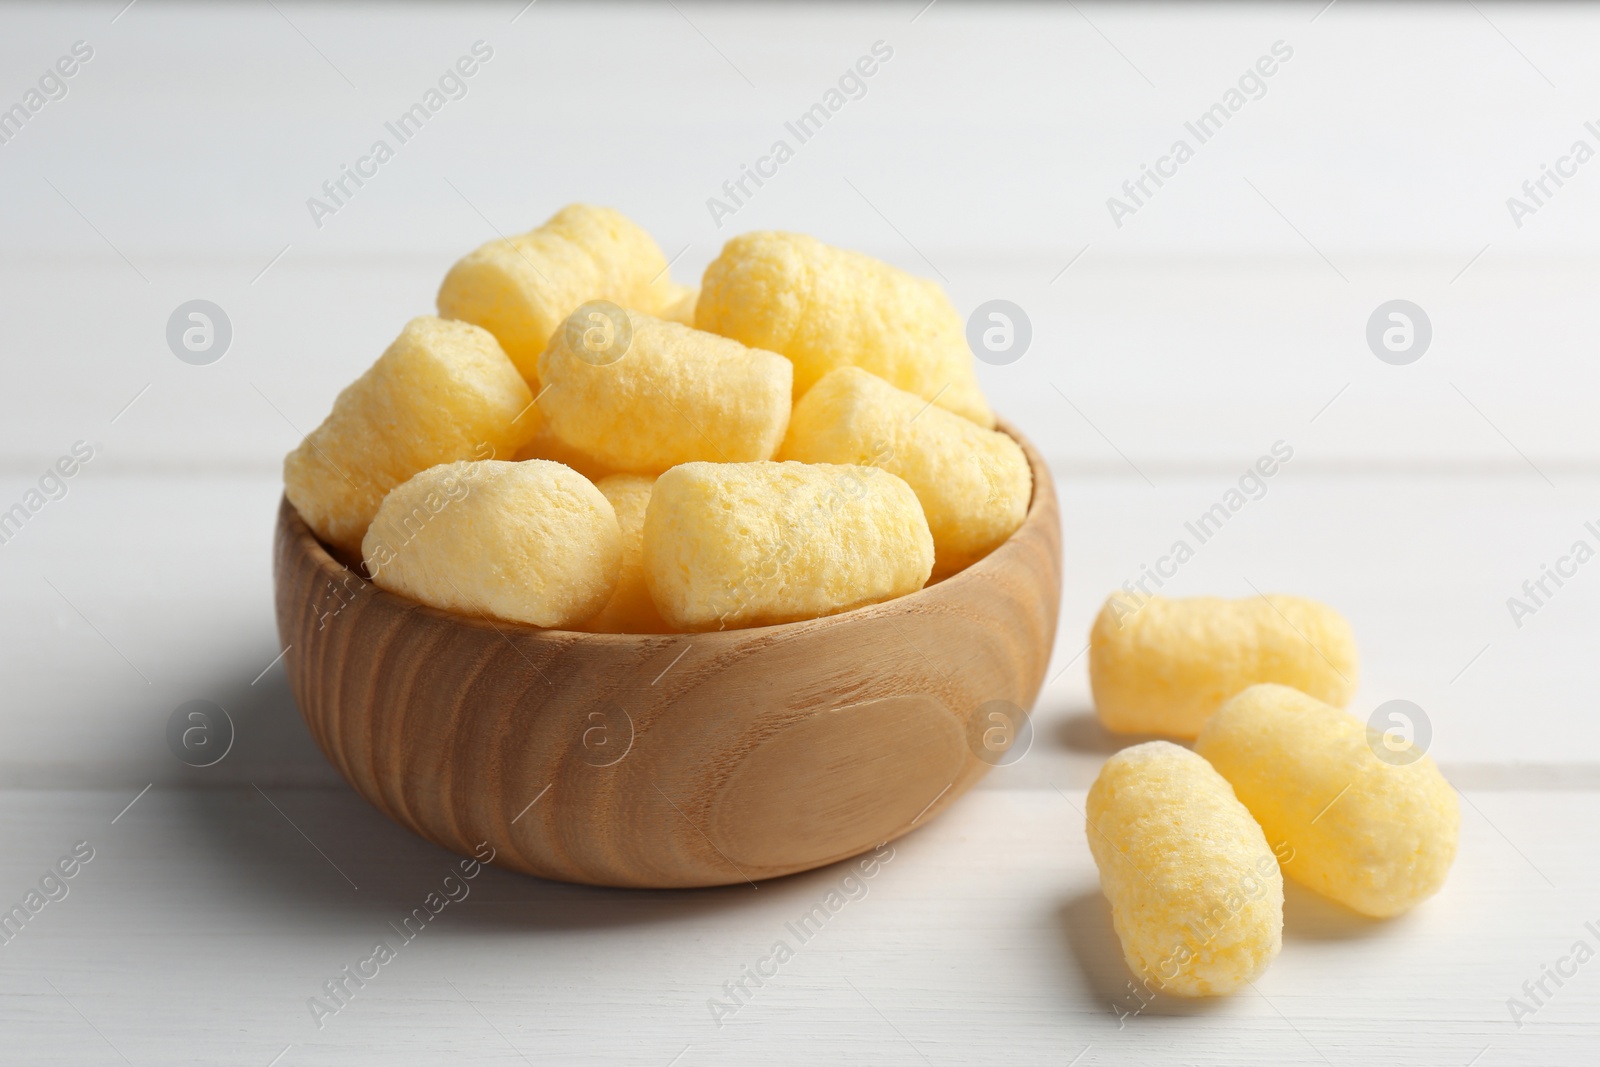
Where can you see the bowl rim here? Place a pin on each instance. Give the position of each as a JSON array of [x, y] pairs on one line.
[[1043, 497]]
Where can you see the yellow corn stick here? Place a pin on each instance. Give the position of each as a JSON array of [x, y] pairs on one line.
[[442, 391], [522, 288], [1196, 895], [1376, 834], [531, 542], [826, 307], [749, 544], [1163, 666], [974, 484], [636, 394]]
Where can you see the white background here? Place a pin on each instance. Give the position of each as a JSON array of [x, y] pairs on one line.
[[1227, 314]]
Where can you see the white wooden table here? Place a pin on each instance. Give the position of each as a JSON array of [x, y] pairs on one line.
[[1228, 313]]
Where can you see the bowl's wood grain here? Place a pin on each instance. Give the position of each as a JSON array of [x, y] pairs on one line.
[[673, 759]]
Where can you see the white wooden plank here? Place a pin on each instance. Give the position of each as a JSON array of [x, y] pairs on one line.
[[205, 922], [992, 126], [1156, 362]]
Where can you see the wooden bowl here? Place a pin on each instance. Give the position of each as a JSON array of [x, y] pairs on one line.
[[667, 760]]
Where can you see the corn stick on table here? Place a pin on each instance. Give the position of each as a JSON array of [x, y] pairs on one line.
[[1214, 320]]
